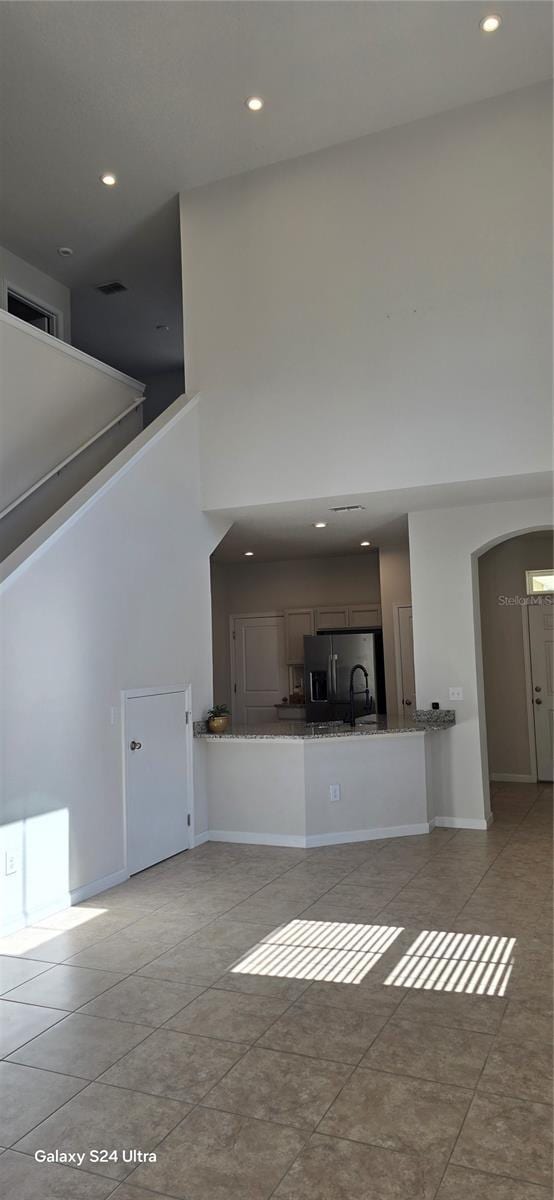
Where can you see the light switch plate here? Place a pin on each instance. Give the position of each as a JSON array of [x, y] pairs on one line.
[[455, 693], [334, 793], [11, 862]]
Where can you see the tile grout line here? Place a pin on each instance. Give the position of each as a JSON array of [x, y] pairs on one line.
[[475, 1089], [292, 1002]]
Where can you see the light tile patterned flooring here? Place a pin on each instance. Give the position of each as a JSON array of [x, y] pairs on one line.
[[359, 1022]]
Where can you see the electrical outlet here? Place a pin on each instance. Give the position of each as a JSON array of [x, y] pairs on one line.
[[456, 693], [11, 862], [334, 792]]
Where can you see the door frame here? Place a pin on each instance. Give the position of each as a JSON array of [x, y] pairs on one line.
[[398, 653], [533, 777], [232, 641], [162, 690]]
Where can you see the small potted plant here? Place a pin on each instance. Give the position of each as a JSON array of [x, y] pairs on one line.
[[218, 718]]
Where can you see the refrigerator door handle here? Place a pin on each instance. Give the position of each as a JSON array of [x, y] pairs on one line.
[[330, 688], [335, 661]]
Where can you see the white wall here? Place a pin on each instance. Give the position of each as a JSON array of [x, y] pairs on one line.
[[54, 398], [444, 544], [119, 598], [382, 779], [394, 568], [376, 315], [250, 587], [278, 791], [502, 577], [256, 790], [35, 285]]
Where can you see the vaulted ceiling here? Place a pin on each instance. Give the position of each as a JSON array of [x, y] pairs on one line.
[[155, 91]]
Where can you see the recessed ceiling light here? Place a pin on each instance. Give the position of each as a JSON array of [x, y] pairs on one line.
[[108, 179], [65, 251], [254, 103], [320, 524], [248, 553], [490, 24], [365, 543]]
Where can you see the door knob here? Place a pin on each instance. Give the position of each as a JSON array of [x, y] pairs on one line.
[[538, 688], [407, 702], [135, 745], [538, 701]]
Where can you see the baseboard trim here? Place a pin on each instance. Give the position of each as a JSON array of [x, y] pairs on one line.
[[317, 839], [98, 885], [461, 822], [200, 838], [24, 920], [505, 777], [257, 839], [76, 896], [366, 835]]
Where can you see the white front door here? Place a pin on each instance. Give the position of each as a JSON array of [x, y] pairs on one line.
[[406, 673], [541, 638], [261, 674], [156, 778]]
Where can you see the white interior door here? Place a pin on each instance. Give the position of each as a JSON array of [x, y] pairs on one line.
[[157, 788], [261, 674], [541, 640], [406, 673]]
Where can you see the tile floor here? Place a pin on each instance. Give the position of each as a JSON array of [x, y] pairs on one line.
[[359, 1022]]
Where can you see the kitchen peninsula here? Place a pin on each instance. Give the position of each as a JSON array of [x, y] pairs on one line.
[[292, 784]]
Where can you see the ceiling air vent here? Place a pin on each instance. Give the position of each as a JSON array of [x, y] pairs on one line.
[[111, 289], [348, 508]]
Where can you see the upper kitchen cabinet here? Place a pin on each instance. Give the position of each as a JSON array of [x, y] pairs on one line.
[[363, 616], [335, 617], [299, 623]]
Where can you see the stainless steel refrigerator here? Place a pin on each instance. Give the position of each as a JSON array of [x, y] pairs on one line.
[[330, 660]]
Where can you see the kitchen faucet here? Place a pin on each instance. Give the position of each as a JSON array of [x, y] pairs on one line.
[[358, 667]]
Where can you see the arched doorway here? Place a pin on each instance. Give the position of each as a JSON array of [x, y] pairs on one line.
[[515, 661]]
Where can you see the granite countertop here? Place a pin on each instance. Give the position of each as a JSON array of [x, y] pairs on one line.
[[425, 721]]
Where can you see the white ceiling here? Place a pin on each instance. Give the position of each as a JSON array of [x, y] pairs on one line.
[[154, 91], [275, 532]]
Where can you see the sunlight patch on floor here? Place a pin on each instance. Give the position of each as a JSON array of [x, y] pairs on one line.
[[330, 951], [32, 936], [345, 952], [342, 935], [470, 963], [477, 946], [71, 918]]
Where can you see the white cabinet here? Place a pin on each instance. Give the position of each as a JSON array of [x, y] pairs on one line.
[[361, 616], [332, 617], [299, 623]]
